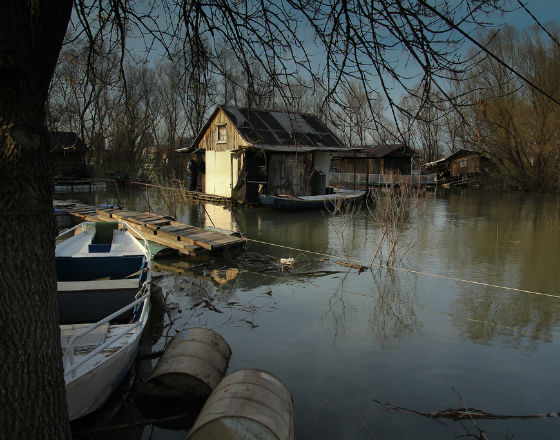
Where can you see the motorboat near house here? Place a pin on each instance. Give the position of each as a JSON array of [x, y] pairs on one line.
[[323, 201], [103, 284]]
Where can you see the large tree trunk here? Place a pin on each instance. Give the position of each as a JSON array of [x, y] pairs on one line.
[[32, 392]]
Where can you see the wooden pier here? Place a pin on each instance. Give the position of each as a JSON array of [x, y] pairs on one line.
[[160, 229]]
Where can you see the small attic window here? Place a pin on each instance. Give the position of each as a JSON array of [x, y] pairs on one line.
[[221, 133]]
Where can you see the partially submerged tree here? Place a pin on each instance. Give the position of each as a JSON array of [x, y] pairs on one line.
[[516, 126], [352, 40]]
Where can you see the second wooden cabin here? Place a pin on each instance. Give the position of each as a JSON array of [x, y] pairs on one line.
[[248, 152]]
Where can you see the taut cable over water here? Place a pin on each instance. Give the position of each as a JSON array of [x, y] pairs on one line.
[[417, 272]]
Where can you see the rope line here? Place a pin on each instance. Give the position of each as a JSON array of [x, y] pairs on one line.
[[382, 266], [453, 315], [416, 272], [481, 321]]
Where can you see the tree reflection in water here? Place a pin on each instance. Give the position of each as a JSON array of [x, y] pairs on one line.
[[335, 316], [518, 320], [393, 315], [390, 309]]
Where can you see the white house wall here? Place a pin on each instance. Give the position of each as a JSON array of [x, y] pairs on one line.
[[218, 173]]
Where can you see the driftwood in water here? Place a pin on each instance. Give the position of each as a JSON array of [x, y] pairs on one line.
[[359, 267], [464, 413], [318, 273]]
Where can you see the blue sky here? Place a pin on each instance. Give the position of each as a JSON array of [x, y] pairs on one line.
[[544, 10]]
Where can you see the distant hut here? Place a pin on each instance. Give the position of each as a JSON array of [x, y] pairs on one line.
[[375, 159], [460, 165], [67, 154], [248, 152]]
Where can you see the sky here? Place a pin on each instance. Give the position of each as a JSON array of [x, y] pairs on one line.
[[544, 10]]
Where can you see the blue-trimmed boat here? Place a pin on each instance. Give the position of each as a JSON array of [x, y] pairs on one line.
[[103, 284]]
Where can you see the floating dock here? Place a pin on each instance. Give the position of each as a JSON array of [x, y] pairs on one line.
[[160, 229]]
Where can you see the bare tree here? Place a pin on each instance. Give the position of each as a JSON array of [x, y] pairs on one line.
[[395, 209], [517, 126], [82, 94], [424, 120]]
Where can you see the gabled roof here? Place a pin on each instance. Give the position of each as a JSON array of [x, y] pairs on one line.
[[457, 155], [275, 130], [462, 153], [381, 150], [66, 141]]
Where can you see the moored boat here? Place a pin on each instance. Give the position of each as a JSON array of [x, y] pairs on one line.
[[323, 201], [103, 284]]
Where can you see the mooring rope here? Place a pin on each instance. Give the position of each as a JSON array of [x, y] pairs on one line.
[[382, 266], [412, 271]]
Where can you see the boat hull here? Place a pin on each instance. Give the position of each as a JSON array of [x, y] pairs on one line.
[[104, 300], [88, 392], [317, 202]]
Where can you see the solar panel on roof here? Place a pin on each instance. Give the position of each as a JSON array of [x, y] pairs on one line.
[[284, 138], [271, 121], [315, 123], [249, 133], [277, 128], [268, 137]]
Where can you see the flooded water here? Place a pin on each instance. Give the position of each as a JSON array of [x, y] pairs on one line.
[[470, 315]]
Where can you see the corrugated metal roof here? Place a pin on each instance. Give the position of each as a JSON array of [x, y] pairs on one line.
[[299, 148], [380, 150]]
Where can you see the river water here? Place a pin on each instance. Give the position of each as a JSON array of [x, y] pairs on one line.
[[468, 315]]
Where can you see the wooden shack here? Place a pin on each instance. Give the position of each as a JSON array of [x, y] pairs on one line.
[[248, 152], [460, 164], [67, 154], [374, 159], [466, 163]]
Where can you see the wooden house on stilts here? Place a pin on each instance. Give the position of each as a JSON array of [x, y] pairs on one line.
[[248, 152]]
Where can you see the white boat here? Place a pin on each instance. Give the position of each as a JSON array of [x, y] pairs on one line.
[[103, 283], [323, 201]]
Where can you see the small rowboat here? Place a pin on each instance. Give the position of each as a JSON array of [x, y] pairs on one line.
[[103, 284], [324, 201]]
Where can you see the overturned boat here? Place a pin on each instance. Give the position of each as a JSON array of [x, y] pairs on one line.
[[103, 284]]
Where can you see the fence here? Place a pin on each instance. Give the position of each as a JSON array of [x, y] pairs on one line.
[[383, 179]]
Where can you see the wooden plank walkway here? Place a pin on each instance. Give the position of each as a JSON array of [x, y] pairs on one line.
[[161, 229]]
